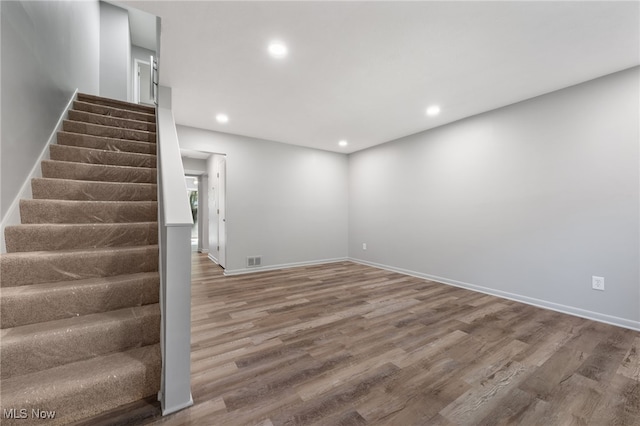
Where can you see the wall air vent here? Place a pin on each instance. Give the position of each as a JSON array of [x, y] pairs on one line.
[[253, 261]]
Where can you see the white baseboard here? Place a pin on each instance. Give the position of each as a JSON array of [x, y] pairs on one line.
[[205, 251], [213, 259], [13, 213], [231, 272], [570, 310]]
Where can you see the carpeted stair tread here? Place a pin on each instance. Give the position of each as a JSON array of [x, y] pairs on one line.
[[97, 172], [64, 299], [105, 144], [85, 388], [54, 343], [101, 156], [73, 211], [51, 237], [113, 111], [105, 120], [98, 100], [111, 132], [67, 189], [17, 269]]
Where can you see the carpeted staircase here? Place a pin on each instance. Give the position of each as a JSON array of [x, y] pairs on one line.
[[79, 313]]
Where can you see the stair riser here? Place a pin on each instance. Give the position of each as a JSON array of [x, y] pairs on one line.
[[63, 211], [47, 302], [45, 267], [110, 132], [75, 394], [24, 238], [109, 144], [59, 346], [94, 156], [103, 120], [97, 172], [113, 112], [115, 103], [55, 189]]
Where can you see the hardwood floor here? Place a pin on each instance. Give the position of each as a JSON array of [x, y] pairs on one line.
[[347, 344]]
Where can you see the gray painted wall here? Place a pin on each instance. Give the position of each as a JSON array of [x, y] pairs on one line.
[[115, 53], [284, 202], [531, 199], [141, 53], [194, 166], [48, 50]]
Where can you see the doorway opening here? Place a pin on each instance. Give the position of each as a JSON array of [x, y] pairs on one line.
[[192, 192], [142, 87], [205, 175]]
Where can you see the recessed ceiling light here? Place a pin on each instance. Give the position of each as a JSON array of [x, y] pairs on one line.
[[222, 118], [433, 110], [278, 49], [343, 143]]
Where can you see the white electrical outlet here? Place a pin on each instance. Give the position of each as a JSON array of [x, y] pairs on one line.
[[364, 246], [597, 283]]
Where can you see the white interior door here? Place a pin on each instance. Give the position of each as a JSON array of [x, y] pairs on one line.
[[203, 214], [222, 221]]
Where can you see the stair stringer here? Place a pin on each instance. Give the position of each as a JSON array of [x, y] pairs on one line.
[[12, 217]]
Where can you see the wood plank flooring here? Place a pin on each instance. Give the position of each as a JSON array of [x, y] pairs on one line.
[[347, 344]]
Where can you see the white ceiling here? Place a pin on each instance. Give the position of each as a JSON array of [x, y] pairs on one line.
[[366, 71]]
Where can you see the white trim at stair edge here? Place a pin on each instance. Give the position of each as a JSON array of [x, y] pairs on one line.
[[13, 213], [569, 310], [175, 409]]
